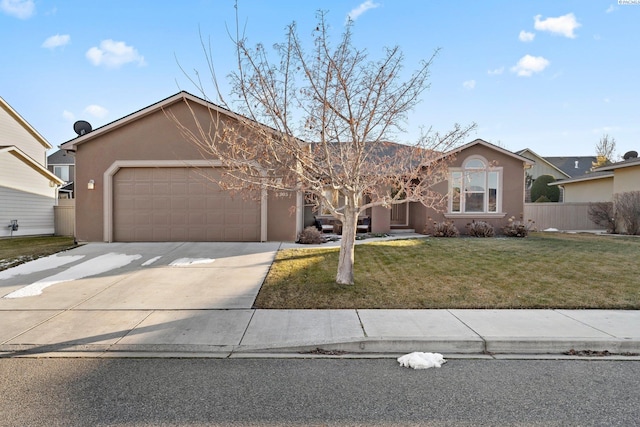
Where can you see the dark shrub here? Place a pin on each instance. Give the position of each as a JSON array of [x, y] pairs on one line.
[[627, 209], [540, 188], [542, 199], [518, 228], [601, 213], [445, 229], [311, 236], [480, 229]]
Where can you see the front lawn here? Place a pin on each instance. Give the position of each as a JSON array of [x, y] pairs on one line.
[[16, 250], [544, 270]]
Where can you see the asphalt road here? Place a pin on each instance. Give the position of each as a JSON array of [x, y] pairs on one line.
[[335, 392]]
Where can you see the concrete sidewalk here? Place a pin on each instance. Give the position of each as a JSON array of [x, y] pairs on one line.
[[196, 299], [354, 333]]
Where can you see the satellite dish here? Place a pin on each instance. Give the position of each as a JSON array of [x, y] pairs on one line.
[[82, 128], [630, 155]]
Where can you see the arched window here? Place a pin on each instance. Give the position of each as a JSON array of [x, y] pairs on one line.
[[475, 188]]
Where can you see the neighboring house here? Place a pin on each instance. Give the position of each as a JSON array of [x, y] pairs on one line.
[[62, 164], [542, 166], [27, 189], [560, 168], [626, 174], [573, 166], [605, 181], [590, 187], [600, 185], [137, 179]]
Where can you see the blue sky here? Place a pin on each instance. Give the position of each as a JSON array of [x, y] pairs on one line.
[[553, 76]]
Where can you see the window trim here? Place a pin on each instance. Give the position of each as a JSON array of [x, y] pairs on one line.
[[61, 168], [487, 169]]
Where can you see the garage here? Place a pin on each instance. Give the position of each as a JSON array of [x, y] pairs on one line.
[[164, 204]]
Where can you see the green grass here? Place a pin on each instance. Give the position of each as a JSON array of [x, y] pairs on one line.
[[16, 250], [544, 270]]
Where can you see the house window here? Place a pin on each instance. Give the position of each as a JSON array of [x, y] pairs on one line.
[[61, 172], [475, 188]]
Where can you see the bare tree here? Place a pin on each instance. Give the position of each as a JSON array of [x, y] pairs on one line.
[[320, 122], [627, 211], [605, 151]]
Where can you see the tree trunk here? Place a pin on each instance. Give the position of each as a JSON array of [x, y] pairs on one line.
[[347, 244]]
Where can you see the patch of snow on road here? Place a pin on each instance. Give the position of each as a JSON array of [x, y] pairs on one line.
[[151, 261], [419, 360], [183, 262], [92, 267], [40, 264]]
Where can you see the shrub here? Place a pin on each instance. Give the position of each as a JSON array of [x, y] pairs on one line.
[[542, 199], [311, 236], [480, 229], [601, 213], [540, 188], [445, 229], [518, 228], [627, 211]]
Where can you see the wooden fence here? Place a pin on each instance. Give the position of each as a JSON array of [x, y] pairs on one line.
[[563, 216], [64, 215]]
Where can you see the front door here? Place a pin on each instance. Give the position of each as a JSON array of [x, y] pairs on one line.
[[400, 214]]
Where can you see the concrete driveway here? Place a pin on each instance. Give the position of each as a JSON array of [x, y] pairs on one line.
[[141, 276], [133, 296]]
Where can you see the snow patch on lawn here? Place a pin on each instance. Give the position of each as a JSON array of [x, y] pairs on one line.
[[92, 267], [183, 262], [40, 264], [419, 360]]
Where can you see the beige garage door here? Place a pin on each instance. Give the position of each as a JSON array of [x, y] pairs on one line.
[[180, 205]]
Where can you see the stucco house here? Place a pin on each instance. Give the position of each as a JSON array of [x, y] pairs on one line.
[[137, 179], [487, 183], [27, 189]]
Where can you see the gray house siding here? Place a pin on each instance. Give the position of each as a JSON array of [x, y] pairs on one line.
[[34, 213]]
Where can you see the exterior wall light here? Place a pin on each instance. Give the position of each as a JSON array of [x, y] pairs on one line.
[[91, 184]]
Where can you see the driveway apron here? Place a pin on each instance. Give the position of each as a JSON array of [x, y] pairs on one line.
[[116, 295]]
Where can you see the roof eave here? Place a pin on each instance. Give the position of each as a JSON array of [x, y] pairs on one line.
[[492, 146], [16, 152], [18, 118]]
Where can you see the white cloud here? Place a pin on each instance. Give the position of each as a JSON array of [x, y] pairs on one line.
[[68, 115], [22, 9], [96, 111], [610, 9], [469, 84], [113, 54], [563, 25], [355, 13], [56, 41], [496, 71], [606, 129], [527, 65], [525, 36]]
